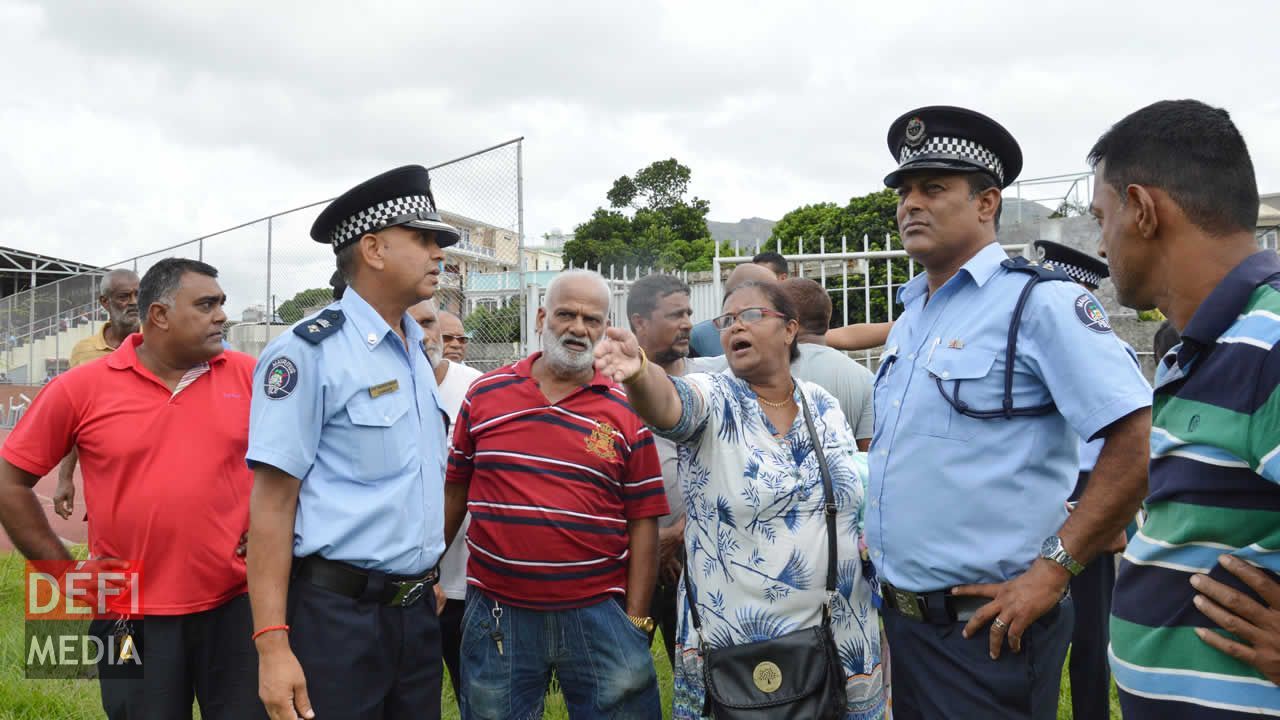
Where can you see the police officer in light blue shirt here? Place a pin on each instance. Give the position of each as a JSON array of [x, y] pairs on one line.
[[993, 370], [347, 441]]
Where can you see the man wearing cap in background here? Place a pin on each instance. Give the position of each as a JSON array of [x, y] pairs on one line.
[[989, 369], [1091, 589], [347, 442]]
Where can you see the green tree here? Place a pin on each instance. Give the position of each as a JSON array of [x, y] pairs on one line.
[[488, 325], [664, 230], [824, 225], [293, 309]]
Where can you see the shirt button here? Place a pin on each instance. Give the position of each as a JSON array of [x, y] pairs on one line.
[[883, 453], [386, 418], [896, 403], [912, 356], [945, 374], [875, 503]]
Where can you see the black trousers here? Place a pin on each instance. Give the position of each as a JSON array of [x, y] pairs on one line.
[[1088, 668], [364, 660], [663, 609], [206, 656], [451, 641], [939, 675]]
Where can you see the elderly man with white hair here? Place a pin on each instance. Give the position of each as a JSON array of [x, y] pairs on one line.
[[564, 488]]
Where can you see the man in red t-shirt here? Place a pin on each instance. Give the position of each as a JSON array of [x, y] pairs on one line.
[[161, 426], [564, 488]]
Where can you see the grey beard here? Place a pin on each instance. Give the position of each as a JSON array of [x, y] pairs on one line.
[[563, 360], [435, 353], [123, 324]]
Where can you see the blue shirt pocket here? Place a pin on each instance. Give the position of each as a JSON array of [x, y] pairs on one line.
[[967, 372], [381, 434]]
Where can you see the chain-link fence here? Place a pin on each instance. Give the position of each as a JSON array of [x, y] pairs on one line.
[[273, 273]]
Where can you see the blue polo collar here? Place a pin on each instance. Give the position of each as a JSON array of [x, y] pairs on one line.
[[1222, 308]]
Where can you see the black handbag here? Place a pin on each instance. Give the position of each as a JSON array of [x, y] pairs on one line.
[[797, 675]]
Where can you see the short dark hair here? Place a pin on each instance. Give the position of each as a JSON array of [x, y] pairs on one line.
[[164, 278], [648, 290], [780, 301], [813, 305], [774, 261], [1191, 151], [980, 182], [345, 259]]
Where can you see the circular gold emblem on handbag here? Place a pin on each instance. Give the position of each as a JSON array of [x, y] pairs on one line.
[[767, 676]]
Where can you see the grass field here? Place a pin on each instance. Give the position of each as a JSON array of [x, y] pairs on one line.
[[22, 699]]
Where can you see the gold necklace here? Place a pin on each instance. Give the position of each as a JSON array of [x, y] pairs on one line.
[[781, 404]]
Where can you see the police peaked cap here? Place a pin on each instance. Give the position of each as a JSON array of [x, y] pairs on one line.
[[952, 139], [396, 197], [1082, 267]]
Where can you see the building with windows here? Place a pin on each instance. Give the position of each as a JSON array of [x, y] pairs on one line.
[[1268, 228]]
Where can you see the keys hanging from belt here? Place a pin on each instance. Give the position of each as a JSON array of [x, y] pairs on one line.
[[497, 629], [122, 633]]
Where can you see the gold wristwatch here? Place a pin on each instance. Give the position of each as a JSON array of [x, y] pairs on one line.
[[646, 625]]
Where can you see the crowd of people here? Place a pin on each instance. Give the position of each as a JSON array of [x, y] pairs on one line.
[[327, 528]]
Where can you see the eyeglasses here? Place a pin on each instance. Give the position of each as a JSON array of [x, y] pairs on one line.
[[749, 316], [454, 338]]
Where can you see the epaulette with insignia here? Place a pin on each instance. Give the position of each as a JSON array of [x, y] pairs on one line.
[[320, 327], [1044, 271]]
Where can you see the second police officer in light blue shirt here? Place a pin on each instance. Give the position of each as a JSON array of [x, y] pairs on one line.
[[347, 440], [991, 374]]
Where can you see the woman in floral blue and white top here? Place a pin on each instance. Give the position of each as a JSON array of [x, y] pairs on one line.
[[755, 538]]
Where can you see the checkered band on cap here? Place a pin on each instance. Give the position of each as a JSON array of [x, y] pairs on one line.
[[949, 148], [375, 218], [1079, 274]]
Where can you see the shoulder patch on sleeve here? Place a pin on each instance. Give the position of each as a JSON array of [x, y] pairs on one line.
[[320, 327], [1045, 271], [280, 379], [1090, 313]]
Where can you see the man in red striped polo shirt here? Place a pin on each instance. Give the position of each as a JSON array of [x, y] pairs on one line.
[[564, 487]]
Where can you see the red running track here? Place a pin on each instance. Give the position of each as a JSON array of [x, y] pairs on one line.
[[74, 530]]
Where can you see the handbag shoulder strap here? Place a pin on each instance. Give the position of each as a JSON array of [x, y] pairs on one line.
[[829, 510], [828, 496]]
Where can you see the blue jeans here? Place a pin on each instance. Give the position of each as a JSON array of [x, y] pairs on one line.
[[602, 660]]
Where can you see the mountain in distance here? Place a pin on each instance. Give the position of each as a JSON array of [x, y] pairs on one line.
[[746, 232]]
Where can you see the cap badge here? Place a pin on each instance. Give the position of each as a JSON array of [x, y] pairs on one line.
[[915, 132]]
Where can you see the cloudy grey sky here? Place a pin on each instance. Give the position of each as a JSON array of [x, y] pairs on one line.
[[128, 126]]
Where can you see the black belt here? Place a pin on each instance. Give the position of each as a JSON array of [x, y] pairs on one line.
[[939, 607], [353, 582]]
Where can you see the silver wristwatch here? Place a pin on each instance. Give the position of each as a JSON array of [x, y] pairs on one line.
[[1052, 549]]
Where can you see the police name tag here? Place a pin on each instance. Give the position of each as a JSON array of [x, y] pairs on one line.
[[389, 386]]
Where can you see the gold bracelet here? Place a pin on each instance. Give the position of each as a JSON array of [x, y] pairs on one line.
[[644, 365]]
